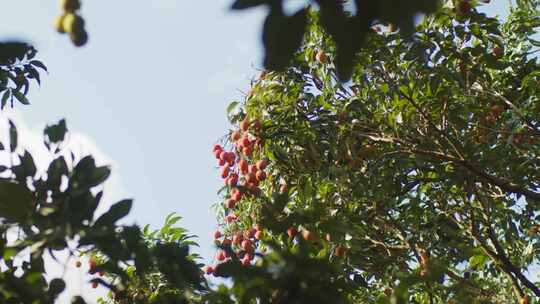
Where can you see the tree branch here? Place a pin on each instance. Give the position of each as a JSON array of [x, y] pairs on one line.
[[503, 184]]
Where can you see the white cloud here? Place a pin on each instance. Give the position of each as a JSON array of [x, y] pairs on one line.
[[31, 139]]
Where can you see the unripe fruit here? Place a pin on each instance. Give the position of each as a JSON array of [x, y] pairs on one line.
[[235, 136], [217, 234], [291, 232], [73, 23], [59, 24], [259, 234], [70, 5], [78, 264], [498, 52], [79, 38], [321, 56], [262, 164], [94, 285], [244, 125], [340, 251], [261, 175]]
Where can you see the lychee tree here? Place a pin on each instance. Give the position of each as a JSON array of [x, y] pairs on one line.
[[416, 182]]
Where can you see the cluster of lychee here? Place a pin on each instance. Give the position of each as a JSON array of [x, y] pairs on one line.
[[92, 270], [243, 244], [235, 167], [243, 175], [71, 22]]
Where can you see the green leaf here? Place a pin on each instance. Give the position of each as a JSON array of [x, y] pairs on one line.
[[478, 261], [243, 4], [87, 175], [39, 64], [12, 136], [27, 162], [115, 213], [57, 132], [16, 201], [21, 98], [231, 107], [282, 36], [5, 98], [56, 286]]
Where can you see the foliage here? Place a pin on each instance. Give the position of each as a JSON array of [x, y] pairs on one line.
[[282, 35], [52, 211], [168, 281], [18, 67], [418, 181]]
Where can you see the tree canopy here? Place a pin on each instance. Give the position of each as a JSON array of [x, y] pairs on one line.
[[415, 182]]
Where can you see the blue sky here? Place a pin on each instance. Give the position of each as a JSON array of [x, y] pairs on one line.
[[150, 90]]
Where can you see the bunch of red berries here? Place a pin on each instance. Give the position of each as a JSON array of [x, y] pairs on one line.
[[236, 167], [92, 269], [243, 175]]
